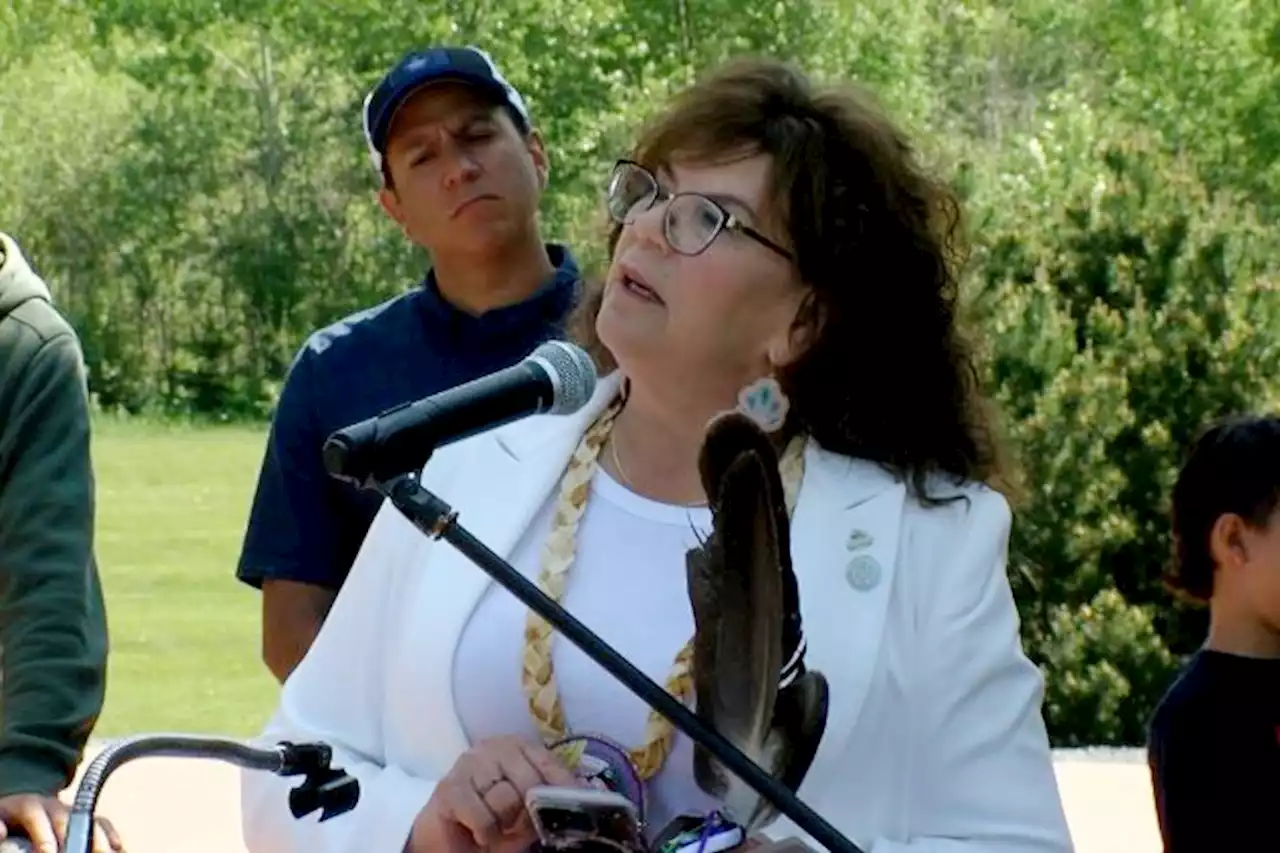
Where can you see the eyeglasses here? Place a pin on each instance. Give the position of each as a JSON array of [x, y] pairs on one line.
[[691, 221]]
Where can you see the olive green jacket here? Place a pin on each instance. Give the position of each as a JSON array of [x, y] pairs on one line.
[[53, 633]]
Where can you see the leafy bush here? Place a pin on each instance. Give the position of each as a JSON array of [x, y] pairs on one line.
[[1125, 306], [1107, 668]]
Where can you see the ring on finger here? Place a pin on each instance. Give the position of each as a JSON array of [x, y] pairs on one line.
[[503, 799], [483, 788]]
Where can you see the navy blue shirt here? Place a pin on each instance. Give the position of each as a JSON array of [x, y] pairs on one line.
[[1214, 754], [306, 526]]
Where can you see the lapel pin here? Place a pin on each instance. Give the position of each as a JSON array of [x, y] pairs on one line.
[[859, 539], [863, 573]]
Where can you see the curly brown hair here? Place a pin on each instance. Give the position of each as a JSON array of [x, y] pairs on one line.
[[887, 375]]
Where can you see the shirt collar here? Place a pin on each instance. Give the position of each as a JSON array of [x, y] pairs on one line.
[[511, 326]]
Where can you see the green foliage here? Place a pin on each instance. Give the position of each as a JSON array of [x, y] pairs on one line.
[[1107, 666], [1123, 318], [191, 180]]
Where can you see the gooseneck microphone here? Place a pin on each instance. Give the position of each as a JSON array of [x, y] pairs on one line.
[[557, 378], [324, 788]]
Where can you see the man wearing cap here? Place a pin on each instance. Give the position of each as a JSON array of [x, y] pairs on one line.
[[462, 174]]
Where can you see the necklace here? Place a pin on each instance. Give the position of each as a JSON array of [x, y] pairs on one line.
[[537, 672], [626, 481]]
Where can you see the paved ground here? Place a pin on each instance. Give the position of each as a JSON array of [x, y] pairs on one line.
[[164, 805], [1108, 802]]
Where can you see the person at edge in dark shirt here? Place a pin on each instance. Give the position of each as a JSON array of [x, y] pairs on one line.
[[1214, 742], [463, 171]]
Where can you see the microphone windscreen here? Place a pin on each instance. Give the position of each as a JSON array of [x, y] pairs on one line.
[[572, 373]]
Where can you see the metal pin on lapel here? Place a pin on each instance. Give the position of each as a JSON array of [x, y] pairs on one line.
[[863, 573], [859, 539]]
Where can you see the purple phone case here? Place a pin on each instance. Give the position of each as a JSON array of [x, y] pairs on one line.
[[604, 764]]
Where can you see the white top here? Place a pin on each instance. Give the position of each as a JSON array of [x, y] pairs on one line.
[[934, 741], [627, 585]]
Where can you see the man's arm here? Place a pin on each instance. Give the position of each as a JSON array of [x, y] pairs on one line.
[[52, 621], [293, 612], [290, 546]]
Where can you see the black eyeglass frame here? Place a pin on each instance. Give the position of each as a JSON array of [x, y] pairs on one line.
[[728, 220]]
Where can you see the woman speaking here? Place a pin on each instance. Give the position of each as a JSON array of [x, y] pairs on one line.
[[776, 248]]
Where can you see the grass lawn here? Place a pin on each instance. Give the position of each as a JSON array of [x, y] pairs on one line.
[[172, 502]]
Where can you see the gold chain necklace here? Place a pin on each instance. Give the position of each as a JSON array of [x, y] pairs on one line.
[[537, 672], [626, 481]]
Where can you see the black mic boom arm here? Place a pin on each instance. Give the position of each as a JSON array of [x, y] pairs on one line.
[[436, 519]]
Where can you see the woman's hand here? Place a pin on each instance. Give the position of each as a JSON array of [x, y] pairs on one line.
[[479, 804]]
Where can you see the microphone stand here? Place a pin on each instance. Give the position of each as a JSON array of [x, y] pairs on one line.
[[436, 519], [326, 789]]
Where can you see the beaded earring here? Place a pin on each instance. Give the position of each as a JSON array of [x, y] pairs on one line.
[[765, 403]]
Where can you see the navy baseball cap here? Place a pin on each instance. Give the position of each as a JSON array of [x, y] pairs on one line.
[[422, 67]]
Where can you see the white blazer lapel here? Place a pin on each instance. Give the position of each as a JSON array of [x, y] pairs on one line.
[[845, 538], [496, 484]]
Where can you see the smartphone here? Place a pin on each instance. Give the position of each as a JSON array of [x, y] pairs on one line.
[[585, 818]]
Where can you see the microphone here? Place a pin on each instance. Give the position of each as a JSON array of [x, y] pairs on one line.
[[557, 378]]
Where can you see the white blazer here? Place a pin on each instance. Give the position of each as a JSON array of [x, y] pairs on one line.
[[934, 741]]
